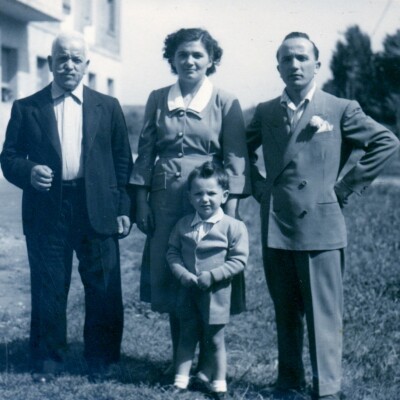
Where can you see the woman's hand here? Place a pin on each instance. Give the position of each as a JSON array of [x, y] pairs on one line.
[[144, 215]]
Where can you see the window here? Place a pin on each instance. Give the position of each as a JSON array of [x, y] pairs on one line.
[[66, 6], [111, 15], [87, 12], [42, 73], [110, 86], [92, 80], [9, 68]]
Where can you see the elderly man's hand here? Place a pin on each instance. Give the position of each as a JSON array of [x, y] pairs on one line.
[[124, 226], [41, 177]]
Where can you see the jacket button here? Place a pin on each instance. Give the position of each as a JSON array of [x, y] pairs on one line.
[[180, 134], [303, 184], [181, 113], [303, 214], [180, 154], [177, 174]]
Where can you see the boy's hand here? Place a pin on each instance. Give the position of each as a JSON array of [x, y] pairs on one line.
[[188, 280], [204, 280]]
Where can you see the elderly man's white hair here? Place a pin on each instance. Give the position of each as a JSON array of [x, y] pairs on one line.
[[69, 36]]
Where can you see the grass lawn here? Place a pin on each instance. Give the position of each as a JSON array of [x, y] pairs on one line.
[[371, 327]]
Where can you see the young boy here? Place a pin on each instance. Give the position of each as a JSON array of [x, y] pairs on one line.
[[206, 250]]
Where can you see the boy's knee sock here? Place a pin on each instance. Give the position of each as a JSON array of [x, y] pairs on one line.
[[219, 386], [181, 381]]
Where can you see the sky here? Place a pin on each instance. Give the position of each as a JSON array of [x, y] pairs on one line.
[[249, 31]]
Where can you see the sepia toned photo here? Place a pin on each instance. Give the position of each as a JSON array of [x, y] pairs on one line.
[[199, 199]]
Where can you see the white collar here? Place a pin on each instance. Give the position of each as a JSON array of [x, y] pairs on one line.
[[199, 101], [287, 101], [57, 91], [212, 220]]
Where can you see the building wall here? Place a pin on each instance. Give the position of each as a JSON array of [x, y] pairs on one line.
[[32, 41]]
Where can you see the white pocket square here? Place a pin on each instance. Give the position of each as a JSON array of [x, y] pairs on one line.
[[320, 125]]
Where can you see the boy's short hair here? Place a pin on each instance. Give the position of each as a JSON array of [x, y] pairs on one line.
[[210, 170]]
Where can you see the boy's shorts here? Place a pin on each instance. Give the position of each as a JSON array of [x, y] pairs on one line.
[[211, 306]]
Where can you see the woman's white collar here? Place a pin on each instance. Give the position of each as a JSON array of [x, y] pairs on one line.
[[199, 101]]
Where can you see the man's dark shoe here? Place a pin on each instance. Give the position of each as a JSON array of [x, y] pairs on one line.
[[288, 394], [335, 396], [48, 371], [98, 371], [41, 377], [197, 384]]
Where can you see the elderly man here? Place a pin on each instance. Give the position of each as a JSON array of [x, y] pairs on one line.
[[307, 137], [67, 148]]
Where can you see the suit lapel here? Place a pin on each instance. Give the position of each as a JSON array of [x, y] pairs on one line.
[[280, 131], [302, 134], [91, 118], [46, 118]]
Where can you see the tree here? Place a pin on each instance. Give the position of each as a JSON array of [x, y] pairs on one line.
[[352, 68], [388, 79]]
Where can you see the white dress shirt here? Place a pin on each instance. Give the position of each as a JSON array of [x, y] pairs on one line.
[[69, 116], [294, 112]]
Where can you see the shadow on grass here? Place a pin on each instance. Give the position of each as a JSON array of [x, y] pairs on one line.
[[14, 359]]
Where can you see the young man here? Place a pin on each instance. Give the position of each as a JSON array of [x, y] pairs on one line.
[[307, 137]]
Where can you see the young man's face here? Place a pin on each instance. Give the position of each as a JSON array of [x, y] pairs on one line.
[[297, 64], [206, 196]]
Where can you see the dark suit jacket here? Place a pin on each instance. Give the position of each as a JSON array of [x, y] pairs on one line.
[[299, 205], [32, 139]]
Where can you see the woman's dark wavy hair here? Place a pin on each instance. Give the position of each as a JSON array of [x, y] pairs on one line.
[[209, 170], [174, 40]]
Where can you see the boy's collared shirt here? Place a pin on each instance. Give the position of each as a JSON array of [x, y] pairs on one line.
[[202, 227]]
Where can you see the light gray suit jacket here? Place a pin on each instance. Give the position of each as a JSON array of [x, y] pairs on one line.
[[299, 204]]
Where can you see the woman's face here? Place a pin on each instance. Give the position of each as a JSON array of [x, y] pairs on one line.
[[191, 61]]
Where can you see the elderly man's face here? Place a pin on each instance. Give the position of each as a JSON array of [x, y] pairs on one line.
[[297, 64], [68, 63]]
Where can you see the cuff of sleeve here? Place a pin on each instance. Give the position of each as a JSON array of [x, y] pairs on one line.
[[124, 207], [217, 275], [239, 185], [346, 189], [141, 177]]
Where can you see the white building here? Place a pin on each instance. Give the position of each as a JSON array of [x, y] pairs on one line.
[[27, 29]]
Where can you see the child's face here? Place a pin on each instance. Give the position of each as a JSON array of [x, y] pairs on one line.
[[206, 196]]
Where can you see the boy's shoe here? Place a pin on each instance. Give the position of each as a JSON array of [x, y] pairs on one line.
[[197, 384], [218, 395], [178, 390]]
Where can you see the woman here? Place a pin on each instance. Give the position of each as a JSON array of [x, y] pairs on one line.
[[185, 125]]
